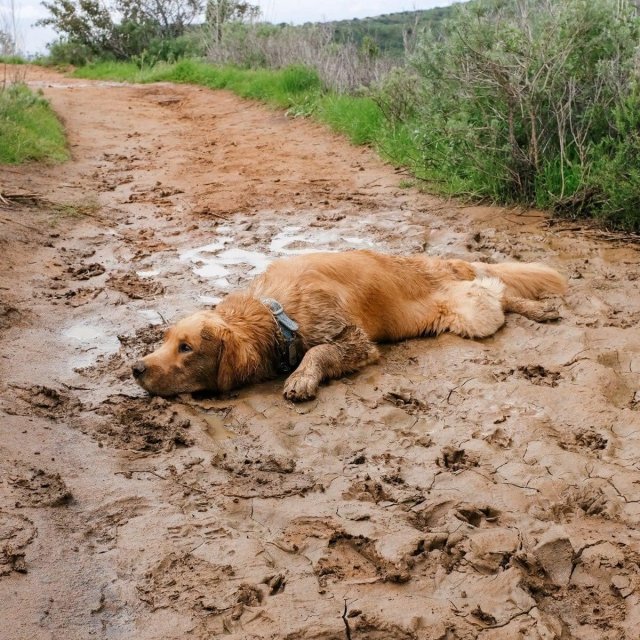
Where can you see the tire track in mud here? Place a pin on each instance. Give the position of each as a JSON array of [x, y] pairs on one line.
[[460, 489]]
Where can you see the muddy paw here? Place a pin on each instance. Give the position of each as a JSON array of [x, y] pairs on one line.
[[300, 386], [547, 312]]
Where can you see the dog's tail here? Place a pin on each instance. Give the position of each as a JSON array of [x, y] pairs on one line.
[[527, 280]]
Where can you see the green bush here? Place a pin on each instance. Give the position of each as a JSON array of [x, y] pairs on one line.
[[63, 52], [188, 45], [29, 130], [523, 100], [615, 171], [147, 54]]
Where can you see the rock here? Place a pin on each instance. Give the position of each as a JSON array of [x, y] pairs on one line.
[[554, 552], [603, 555], [400, 546], [491, 549], [622, 585]]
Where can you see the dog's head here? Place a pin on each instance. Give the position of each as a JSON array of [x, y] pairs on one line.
[[189, 358]]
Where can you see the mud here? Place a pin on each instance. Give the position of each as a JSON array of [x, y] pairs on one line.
[[456, 490]]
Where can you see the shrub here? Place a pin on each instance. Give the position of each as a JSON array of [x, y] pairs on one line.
[[522, 100], [122, 30], [342, 67], [64, 52], [615, 171]]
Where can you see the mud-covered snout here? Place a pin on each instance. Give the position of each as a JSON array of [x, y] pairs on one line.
[[138, 368], [151, 378], [161, 376]]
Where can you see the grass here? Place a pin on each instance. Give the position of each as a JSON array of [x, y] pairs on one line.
[[13, 59], [29, 129], [282, 88], [79, 209], [360, 119]]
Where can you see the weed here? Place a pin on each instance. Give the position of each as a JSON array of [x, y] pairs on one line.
[[79, 209], [12, 59]]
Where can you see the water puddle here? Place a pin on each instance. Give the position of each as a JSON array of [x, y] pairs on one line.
[[214, 423], [218, 261], [91, 341], [443, 241], [215, 428], [152, 316], [291, 242], [84, 333]]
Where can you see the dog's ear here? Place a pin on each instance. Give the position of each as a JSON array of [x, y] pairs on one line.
[[234, 365], [210, 352], [229, 374]]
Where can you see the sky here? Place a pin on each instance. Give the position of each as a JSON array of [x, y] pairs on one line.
[[32, 39]]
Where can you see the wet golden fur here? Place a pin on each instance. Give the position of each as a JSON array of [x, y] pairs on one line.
[[344, 303]]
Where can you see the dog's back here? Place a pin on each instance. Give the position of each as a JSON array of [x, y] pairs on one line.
[[389, 297]]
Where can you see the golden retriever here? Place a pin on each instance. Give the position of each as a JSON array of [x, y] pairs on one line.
[[343, 303]]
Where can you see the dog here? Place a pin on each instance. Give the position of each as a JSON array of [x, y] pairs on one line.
[[320, 316]]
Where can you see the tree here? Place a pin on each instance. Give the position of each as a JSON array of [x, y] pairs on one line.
[[91, 23], [7, 47], [219, 12], [172, 17], [8, 30]]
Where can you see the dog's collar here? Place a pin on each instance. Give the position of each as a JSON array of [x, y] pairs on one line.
[[288, 329]]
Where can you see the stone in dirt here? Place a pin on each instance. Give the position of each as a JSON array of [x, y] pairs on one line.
[[555, 554], [38, 488], [16, 534]]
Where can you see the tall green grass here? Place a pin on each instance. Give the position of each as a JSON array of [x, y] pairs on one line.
[[13, 59], [29, 129], [360, 119]]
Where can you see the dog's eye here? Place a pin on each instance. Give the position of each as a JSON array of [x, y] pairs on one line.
[[183, 347]]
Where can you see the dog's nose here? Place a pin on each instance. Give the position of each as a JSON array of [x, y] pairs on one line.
[[138, 369]]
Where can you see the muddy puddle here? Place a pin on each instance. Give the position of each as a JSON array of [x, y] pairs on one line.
[[456, 490], [222, 257]]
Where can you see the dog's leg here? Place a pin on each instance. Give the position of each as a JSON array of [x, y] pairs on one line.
[[349, 351], [538, 310], [471, 309]]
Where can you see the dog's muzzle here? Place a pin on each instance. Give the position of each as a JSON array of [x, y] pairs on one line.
[[138, 368]]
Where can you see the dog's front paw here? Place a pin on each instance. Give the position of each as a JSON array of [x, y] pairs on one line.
[[300, 386]]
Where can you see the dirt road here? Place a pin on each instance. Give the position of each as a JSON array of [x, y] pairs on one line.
[[459, 489]]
